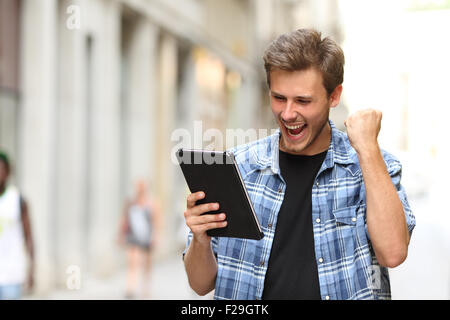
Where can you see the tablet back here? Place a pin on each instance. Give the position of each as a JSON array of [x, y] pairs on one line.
[[217, 175]]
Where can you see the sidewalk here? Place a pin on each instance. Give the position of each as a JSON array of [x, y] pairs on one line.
[[168, 282]]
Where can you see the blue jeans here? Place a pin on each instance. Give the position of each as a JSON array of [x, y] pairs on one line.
[[11, 291]]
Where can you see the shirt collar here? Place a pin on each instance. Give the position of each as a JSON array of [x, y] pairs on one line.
[[339, 151]]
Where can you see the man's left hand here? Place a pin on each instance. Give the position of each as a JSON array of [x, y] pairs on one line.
[[362, 129]]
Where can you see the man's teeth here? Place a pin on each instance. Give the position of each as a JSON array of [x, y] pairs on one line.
[[294, 127]]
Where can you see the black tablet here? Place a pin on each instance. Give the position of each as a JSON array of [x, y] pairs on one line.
[[217, 174]]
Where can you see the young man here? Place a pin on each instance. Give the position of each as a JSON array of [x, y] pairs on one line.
[[15, 236], [331, 205]]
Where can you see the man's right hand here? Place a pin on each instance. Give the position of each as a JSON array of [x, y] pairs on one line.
[[199, 223]]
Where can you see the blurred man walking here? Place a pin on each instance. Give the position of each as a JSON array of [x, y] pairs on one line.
[[15, 234]]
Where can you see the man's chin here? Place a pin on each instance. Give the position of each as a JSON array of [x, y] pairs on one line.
[[290, 147]]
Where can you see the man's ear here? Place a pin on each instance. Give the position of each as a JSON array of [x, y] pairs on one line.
[[335, 96]]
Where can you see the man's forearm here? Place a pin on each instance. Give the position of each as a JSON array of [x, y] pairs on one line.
[[201, 267], [386, 221]]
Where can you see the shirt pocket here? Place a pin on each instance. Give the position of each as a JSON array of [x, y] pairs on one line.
[[345, 230], [345, 216]]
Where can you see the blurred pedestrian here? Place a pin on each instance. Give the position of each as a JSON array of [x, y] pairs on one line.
[[15, 236], [140, 229]]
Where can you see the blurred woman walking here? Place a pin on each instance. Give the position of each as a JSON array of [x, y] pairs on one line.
[[140, 228]]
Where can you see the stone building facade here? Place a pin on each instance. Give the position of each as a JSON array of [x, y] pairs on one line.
[[92, 91]]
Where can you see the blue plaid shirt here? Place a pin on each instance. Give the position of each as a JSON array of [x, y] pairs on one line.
[[346, 263]]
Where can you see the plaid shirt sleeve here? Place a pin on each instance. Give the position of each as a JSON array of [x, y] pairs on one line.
[[394, 168]]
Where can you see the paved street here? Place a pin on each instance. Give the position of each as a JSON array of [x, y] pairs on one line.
[[168, 282]]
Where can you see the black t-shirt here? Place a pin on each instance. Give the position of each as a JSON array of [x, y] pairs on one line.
[[292, 270]]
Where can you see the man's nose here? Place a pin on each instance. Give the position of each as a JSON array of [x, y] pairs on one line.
[[289, 113]]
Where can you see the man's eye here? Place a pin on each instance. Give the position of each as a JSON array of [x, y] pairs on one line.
[[279, 98], [303, 101]]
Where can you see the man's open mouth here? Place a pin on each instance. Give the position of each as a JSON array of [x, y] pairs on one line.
[[295, 130]]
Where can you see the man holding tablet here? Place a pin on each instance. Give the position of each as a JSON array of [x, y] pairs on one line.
[[331, 207]]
